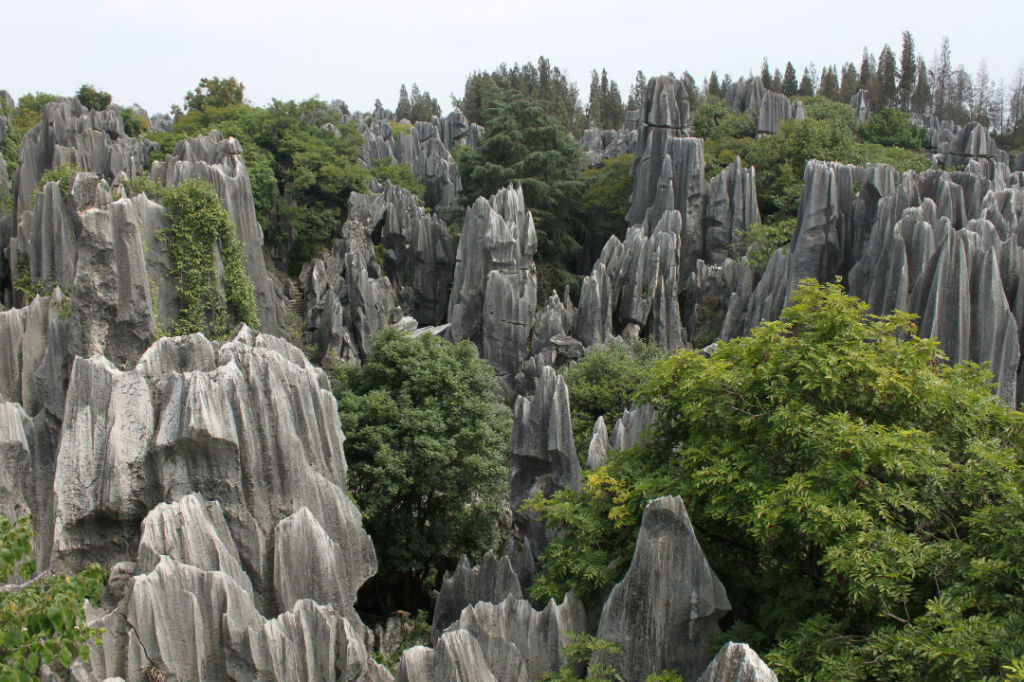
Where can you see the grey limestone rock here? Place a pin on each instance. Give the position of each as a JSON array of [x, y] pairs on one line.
[[737, 663], [256, 429], [600, 446], [861, 105], [715, 299], [550, 338], [514, 629], [746, 94], [599, 145], [492, 581], [16, 457], [629, 428], [309, 564], [668, 603], [494, 290], [543, 457], [775, 109], [730, 207], [456, 658], [420, 256], [424, 151], [71, 133], [219, 161]]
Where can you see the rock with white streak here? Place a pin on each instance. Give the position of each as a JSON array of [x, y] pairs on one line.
[[737, 663], [456, 658]]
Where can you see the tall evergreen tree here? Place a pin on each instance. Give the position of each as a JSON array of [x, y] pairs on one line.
[[830, 84], [636, 93], [867, 69], [714, 88], [404, 108], [943, 86], [806, 88], [594, 101], [766, 75], [887, 91], [908, 71], [850, 83], [776, 81], [789, 84], [921, 100]]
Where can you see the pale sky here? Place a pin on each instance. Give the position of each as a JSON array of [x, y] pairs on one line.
[[154, 52]]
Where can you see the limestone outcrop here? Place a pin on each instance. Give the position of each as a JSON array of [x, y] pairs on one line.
[[71, 133], [424, 151], [513, 635], [195, 417], [668, 603], [494, 289], [492, 581], [457, 657], [775, 109], [191, 613], [543, 457], [219, 161], [746, 94], [861, 105], [737, 663], [599, 145]]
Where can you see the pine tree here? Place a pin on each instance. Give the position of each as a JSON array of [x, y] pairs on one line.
[[636, 93], [594, 103], [943, 86], [806, 88], [404, 108], [830, 84], [776, 81], [886, 95], [789, 84], [850, 83], [921, 100], [908, 71], [867, 69], [766, 75], [714, 89]]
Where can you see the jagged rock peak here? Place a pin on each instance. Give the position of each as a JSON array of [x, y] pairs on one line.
[[861, 105], [258, 432], [494, 290], [513, 635], [219, 161], [456, 658], [492, 581], [737, 663], [71, 133], [668, 603], [775, 109]]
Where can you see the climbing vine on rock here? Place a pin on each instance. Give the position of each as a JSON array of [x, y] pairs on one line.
[[209, 301]]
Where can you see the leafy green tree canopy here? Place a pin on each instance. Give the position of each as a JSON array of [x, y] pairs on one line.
[[92, 98], [42, 621], [427, 441], [860, 498], [215, 92]]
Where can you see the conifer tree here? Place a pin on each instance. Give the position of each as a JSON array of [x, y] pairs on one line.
[[908, 71], [789, 84]]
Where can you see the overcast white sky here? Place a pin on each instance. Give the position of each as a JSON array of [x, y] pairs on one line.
[[153, 52]]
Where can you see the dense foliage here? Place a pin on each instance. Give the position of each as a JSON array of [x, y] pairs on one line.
[[303, 162], [42, 621], [861, 499], [201, 228], [92, 98], [543, 83], [527, 146], [419, 106], [24, 116], [830, 132], [604, 383], [427, 441]]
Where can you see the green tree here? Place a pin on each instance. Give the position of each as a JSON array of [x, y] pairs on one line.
[[215, 92], [908, 71], [789, 84], [921, 100], [714, 88], [42, 621], [403, 110], [860, 498], [92, 98], [886, 93], [604, 383], [806, 88], [830, 84], [766, 74], [524, 144], [892, 128], [427, 441], [849, 84], [422, 107], [211, 300]]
